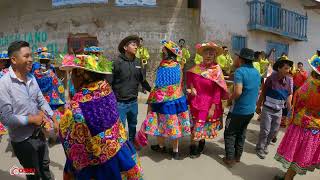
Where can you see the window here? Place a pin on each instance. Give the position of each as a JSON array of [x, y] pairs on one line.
[[279, 47], [238, 42], [77, 42]]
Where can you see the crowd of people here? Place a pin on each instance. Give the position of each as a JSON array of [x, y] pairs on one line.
[[90, 109]]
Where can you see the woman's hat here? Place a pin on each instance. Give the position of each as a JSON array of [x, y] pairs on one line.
[[246, 53], [209, 45], [315, 63], [87, 62], [282, 60], [93, 49], [173, 47], [42, 53], [4, 55], [126, 40]]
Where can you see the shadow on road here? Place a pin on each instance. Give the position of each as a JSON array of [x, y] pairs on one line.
[[247, 172], [6, 176]]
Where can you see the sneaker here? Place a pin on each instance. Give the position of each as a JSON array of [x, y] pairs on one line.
[[176, 156], [278, 178], [193, 152], [201, 146], [260, 154], [157, 148]]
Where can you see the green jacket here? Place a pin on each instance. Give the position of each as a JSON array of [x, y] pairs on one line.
[[225, 62]]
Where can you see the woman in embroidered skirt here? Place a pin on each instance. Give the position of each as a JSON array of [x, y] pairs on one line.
[[93, 138], [4, 65], [206, 87], [168, 115], [50, 85], [299, 150]]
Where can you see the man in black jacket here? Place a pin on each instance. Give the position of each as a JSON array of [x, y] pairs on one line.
[[127, 75]]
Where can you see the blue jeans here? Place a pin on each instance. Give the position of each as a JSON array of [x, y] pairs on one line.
[[129, 111]]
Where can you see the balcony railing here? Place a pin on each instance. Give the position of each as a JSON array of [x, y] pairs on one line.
[[270, 17]]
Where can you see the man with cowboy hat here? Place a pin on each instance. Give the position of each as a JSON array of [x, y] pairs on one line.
[[276, 94], [127, 75], [246, 90]]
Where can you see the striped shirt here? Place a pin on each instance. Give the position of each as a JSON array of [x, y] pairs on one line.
[[277, 91]]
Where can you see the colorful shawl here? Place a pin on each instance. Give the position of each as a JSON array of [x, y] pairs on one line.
[[167, 83], [90, 128], [306, 105], [213, 73], [50, 85]]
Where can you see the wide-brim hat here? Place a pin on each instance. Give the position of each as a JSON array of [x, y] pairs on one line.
[[4, 55], [282, 60], [90, 63], [315, 63], [126, 40], [42, 53], [93, 49], [173, 47], [246, 53], [209, 45]]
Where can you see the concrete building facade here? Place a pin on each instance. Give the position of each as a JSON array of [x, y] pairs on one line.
[[37, 22], [222, 20]]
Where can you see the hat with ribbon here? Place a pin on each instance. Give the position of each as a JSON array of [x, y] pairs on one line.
[[97, 64], [4, 55], [172, 46], [209, 45], [315, 63]]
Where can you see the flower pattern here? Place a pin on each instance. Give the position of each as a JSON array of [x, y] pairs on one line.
[[81, 146], [306, 105]]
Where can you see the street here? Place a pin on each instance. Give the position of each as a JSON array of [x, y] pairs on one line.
[[159, 167]]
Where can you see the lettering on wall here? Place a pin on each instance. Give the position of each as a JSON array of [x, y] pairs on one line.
[[35, 39]]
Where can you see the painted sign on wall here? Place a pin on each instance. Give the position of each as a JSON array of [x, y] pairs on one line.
[[57, 3], [146, 3], [35, 39]]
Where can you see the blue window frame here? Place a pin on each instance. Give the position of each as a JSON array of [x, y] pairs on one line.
[[238, 42], [279, 47]]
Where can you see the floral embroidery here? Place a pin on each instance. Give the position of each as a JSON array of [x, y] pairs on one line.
[[80, 146], [164, 94]]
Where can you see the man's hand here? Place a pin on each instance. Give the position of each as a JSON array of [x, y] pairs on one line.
[[35, 119], [211, 111]]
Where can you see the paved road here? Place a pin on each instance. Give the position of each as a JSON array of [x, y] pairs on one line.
[[159, 167]]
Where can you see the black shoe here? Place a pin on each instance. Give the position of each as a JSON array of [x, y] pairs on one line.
[[278, 178], [274, 140], [157, 148], [201, 146], [193, 152], [176, 156]]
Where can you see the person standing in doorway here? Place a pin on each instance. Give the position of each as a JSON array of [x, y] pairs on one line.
[[24, 111], [127, 75], [246, 90]]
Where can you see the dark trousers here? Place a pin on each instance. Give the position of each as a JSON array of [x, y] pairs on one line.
[[235, 134], [34, 153], [129, 111]]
